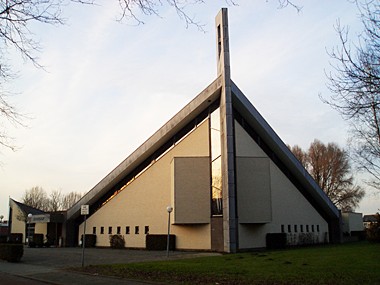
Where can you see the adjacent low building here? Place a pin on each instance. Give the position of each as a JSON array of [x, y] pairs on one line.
[[27, 221]]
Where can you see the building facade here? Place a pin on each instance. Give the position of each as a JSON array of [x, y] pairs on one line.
[[230, 180]]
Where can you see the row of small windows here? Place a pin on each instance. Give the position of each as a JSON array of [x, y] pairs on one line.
[[118, 230], [301, 228]]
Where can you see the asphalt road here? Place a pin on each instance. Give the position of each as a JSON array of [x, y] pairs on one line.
[[50, 265]]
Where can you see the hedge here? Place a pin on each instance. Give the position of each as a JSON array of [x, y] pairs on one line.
[[11, 252], [16, 238], [90, 240], [159, 242], [37, 240], [276, 240]]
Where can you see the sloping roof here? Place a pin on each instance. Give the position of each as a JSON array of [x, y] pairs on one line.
[[27, 209], [190, 111]]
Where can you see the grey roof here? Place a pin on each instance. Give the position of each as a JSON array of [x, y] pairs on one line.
[[27, 209], [184, 116]]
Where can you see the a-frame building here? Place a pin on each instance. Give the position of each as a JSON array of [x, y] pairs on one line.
[[229, 177]]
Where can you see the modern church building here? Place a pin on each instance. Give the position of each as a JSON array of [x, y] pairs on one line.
[[230, 180]]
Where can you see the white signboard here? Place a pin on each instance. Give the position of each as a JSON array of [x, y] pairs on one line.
[[40, 218], [85, 210]]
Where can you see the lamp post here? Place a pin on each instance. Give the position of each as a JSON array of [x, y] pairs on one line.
[[1, 224], [29, 220], [169, 209]]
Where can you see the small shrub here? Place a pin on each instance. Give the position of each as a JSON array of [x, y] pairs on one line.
[[117, 241], [11, 252]]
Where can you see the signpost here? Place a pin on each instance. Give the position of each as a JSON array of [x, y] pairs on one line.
[[84, 211]]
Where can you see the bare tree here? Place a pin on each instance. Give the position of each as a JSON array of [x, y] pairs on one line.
[[55, 201], [329, 166], [355, 87], [36, 197], [70, 199]]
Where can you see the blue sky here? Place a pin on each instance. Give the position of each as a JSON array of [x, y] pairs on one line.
[[107, 86]]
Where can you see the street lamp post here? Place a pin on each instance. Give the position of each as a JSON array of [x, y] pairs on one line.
[[29, 220], [1, 224], [169, 209]]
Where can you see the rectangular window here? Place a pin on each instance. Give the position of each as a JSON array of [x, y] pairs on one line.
[[295, 228], [127, 230], [289, 228], [101, 230], [110, 230], [312, 228], [137, 230], [282, 228], [146, 230], [94, 230], [317, 228], [307, 228], [118, 230], [301, 226]]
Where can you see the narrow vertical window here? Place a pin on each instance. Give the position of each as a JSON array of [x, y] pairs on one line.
[[101, 230], [137, 230], [289, 228], [216, 164], [118, 230], [110, 230], [219, 41], [282, 228], [295, 228], [146, 230], [94, 230], [127, 230], [312, 228], [318, 228], [301, 227], [307, 228]]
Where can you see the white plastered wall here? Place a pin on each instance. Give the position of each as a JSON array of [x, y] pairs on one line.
[[143, 202], [40, 228], [288, 205], [18, 224]]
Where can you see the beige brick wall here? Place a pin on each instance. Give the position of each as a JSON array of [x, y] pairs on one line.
[[143, 202]]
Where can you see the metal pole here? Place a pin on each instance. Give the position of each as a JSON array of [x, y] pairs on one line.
[[167, 245], [84, 240]]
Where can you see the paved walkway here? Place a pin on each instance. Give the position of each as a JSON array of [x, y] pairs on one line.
[[49, 265]]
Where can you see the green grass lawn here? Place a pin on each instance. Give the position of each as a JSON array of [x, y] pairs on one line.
[[355, 263]]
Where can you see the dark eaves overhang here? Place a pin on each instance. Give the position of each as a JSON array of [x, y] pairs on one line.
[[207, 97], [258, 123]]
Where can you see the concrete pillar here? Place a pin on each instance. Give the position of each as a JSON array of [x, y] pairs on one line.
[[230, 230]]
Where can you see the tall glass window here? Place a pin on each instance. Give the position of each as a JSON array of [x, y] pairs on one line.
[[216, 164]]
